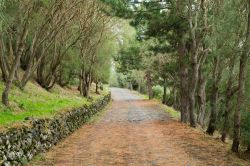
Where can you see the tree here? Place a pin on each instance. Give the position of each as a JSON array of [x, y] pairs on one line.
[[40, 35], [241, 84], [201, 40]]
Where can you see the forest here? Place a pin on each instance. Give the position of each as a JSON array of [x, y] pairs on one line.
[[192, 55], [54, 55]]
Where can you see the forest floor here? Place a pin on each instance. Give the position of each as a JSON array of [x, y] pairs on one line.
[[134, 131]]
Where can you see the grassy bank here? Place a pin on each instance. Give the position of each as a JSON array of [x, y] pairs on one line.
[[172, 112], [36, 102]]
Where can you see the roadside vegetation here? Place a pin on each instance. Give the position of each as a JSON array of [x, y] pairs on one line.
[[54, 55], [193, 56], [36, 102]]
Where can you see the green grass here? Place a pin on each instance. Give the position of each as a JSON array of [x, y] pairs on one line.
[[143, 96], [36, 102], [172, 112]]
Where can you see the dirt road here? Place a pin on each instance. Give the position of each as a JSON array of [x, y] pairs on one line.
[[137, 132]]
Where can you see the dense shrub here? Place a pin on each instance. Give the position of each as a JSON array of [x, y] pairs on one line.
[[157, 92]]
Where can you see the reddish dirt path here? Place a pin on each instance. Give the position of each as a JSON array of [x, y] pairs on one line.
[[137, 132]]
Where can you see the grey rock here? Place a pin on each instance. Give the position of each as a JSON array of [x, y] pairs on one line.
[[29, 156], [4, 158], [11, 156], [44, 137], [6, 163]]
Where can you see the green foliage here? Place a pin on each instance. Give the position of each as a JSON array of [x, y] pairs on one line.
[[157, 92], [102, 67], [122, 80], [119, 8], [137, 78], [113, 80], [129, 59]]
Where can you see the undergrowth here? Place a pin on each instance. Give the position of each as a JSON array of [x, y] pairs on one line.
[[36, 102]]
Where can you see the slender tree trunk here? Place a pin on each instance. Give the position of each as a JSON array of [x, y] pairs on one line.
[[130, 86], [139, 87], [3, 65], [5, 94], [217, 72], [229, 94], [96, 88], [175, 102], [226, 124], [150, 85], [31, 69], [80, 87], [164, 98], [240, 101], [150, 91], [201, 99], [192, 89], [40, 74], [241, 89], [14, 67]]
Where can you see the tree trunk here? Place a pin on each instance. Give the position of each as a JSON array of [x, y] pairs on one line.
[[5, 94], [164, 98], [150, 85], [80, 87], [226, 124], [213, 116], [96, 88], [229, 94], [31, 69], [85, 83], [241, 89], [40, 74], [150, 91], [183, 75], [192, 89], [183, 69], [139, 88], [3, 65], [240, 101], [130, 86], [14, 67], [217, 72], [85, 88], [201, 99]]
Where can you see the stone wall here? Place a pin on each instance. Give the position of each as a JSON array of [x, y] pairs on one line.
[[20, 144]]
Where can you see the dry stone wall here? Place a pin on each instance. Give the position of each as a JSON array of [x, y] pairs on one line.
[[19, 145]]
